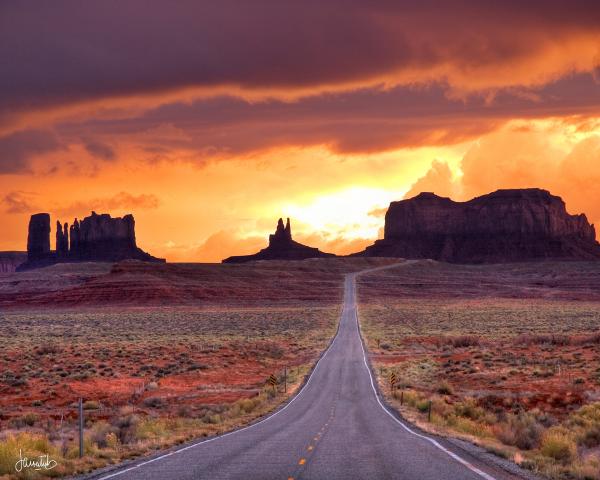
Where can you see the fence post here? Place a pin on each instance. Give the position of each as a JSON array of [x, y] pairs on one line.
[[285, 378], [401, 397], [429, 412], [80, 427]]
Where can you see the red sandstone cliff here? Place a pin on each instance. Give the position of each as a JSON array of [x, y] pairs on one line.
[[503, 226]]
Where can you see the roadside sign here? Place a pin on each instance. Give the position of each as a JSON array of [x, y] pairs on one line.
[[392, 379], [272, 380]]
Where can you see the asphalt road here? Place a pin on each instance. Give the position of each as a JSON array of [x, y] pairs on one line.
[[335, 428]]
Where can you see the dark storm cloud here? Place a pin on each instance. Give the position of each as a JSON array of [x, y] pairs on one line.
[[68, 50], [99, 150], [359, 121], [16, 149]]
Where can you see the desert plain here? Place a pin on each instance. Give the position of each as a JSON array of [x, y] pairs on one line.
[[506, 356]]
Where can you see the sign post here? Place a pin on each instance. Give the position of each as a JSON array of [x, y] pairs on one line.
[[273, 381]]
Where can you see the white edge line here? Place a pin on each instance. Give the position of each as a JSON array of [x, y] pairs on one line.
[[204, 442], [405, 427]]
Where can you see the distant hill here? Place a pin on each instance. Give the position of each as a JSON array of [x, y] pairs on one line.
[[503, 226]]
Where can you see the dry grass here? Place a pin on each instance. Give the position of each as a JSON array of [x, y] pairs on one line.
[[161, 354], [508, 355]]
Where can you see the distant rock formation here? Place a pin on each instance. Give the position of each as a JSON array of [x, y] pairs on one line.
[[38, 237], [503, 226], [62, 240], [97, 238], [9, 261], [281, 247]]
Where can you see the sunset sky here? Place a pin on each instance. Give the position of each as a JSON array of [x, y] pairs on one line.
[[209, 120]]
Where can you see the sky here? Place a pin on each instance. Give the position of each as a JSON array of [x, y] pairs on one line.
[[210, 120]]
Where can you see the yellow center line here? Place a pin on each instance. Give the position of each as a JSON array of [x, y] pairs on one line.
[[310, 447], [302, 461]]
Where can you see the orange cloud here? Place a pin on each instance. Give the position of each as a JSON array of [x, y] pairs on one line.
[[119, 202], [550, 155]]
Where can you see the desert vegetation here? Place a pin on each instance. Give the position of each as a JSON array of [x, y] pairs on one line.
[[160, 354], [149, 379], [507, 356]]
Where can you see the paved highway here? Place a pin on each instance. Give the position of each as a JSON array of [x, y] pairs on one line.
[[335, 428]]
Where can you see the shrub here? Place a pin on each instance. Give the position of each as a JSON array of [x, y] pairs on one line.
[[151, 428], [465, 341], [33, 444], [91, 405], [126, 428], [27, 420], [444, 388], [522, 431], [48, 349], [198, 366], [247, 405], [558, 444], [154, 402], [558, 340], [212, 419], [469, 409], [100, 434]]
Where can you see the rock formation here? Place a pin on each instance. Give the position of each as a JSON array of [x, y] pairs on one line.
[[101, 237], [97, 238], [62, 240], [38, 237], [281, 247], [503, 226]]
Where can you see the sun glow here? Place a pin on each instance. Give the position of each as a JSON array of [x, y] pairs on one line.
[[351, 212]]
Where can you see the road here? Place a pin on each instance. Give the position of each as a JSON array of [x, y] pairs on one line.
[[334, 428]]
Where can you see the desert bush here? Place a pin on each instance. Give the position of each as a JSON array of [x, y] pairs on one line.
[[126, 428], [466, 425], [184, 411], [464, 341], [558, 443], [444, 388], [154, 402], [103, 434], [274, 351], [541, 339], [469, 409], [91, 405], [33, 444], [213, 419], [247, 405], [592, 339], [198, 366], [423, 405], [151, 429], [48, 349], [523, 431], [27, 420]]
